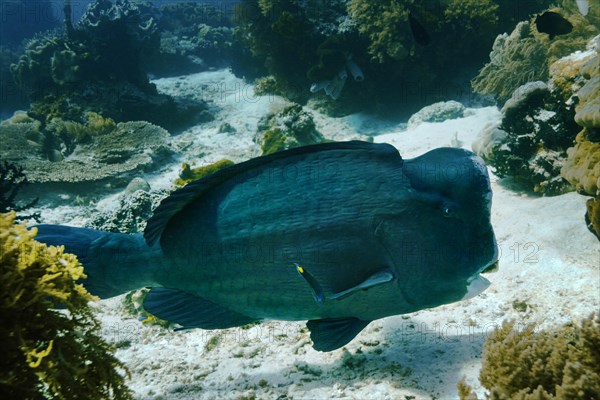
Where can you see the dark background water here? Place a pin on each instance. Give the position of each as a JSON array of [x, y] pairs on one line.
[[21, 19]]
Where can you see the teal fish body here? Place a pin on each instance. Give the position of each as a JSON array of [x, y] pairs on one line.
[[339, 234]]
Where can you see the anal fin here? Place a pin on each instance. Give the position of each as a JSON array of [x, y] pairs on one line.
[[191, 311], [332, 333]]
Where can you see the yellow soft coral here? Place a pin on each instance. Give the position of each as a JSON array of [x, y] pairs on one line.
[[582, 168], [47, 352]]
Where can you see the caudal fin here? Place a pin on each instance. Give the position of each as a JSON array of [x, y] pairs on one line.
[[114, 263]]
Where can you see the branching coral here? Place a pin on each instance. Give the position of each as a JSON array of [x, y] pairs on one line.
[[49, 353], [472, 15], [522, 364]]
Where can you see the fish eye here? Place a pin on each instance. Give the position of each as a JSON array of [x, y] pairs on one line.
[[447, 211]]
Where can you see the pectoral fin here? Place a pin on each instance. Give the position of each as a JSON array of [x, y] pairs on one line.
[[332, 333], [376, 279], [318, 294]]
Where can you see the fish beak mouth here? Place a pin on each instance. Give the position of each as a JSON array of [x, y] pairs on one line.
[[475, 285]]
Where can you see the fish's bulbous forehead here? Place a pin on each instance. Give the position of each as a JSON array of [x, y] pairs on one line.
[[453, 172]]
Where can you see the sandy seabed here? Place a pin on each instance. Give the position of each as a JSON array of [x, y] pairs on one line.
[[549, 274]]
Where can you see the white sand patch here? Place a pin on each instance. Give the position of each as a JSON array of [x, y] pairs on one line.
[[426, 136]]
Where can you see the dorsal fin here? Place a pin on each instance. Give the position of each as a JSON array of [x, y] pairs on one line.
[[179, 199]]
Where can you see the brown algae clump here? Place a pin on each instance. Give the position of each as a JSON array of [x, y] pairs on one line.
[[189, 174]]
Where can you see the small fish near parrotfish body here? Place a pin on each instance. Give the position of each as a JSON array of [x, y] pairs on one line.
[[553, 24], [334, 86], [583, 6], [419, 32], [338, 234]]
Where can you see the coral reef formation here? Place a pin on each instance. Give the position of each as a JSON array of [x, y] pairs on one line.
[[193, 37], [96, 150], [538, 128], [286, 129], [540, 124], [99, 65], [520, 363], [402, 53], [582, 167], [526, 55], [48, 353], [130, 215]]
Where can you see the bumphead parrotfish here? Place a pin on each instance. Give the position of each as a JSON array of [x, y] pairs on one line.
[[339, 234]]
